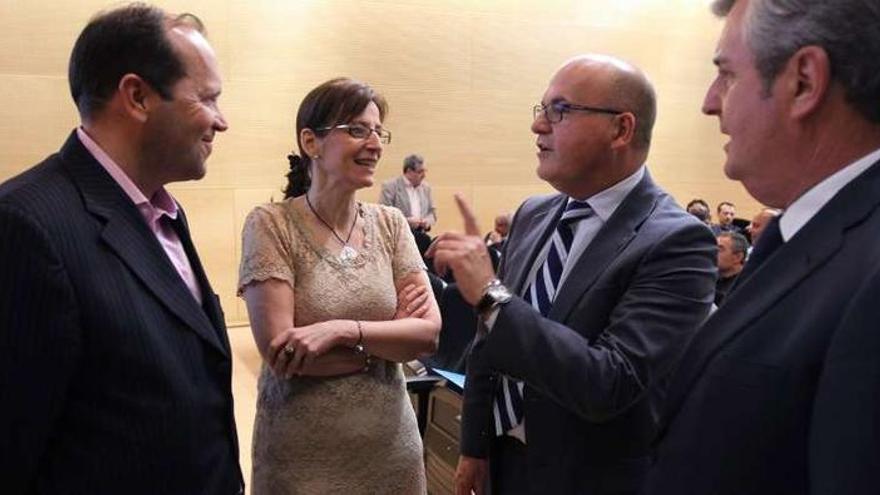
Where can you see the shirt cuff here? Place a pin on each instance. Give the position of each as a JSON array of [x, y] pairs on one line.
[[490, 317]]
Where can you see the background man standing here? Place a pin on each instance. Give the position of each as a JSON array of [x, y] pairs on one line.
[[116, 369], [777, 393], [600, 288], [411, 194]]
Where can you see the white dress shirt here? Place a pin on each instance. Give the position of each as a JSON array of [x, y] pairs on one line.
[[805, 207]]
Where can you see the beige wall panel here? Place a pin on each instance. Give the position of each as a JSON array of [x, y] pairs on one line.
[[386, 45], [37, 37], [36, 116], [461, 77]]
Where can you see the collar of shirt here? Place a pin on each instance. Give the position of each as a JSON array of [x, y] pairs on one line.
[[409, 184], [604, 203], [805, 207], [161, 204]]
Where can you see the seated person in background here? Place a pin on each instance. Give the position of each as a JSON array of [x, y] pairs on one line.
[[759, 221], [411, 194], [726, 214], [700, 209], [732, 250], [322, 275], [496, 238], [502, 225]]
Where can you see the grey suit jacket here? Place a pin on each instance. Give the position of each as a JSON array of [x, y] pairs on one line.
[[778, 393], [596, 367], [394, 194], [113, 378]]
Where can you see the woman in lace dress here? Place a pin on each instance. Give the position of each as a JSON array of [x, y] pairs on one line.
[[320, 274]]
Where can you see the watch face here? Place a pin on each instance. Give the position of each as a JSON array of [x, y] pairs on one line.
[[499, 293]]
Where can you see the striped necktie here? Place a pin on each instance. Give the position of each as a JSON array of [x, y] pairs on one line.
[[540, 293]]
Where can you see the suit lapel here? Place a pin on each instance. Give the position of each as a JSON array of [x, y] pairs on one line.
[[809, 249], [403, 197], [536, 229], [210, 304], [617, 232], [128, 236]]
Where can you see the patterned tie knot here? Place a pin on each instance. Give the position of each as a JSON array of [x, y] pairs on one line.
[[576, 210]]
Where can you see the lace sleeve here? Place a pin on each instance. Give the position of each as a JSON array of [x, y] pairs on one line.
[[265, 248], [406, 258]]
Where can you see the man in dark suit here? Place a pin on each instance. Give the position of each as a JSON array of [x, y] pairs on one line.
[[777, 393], [115, 374], [600, 288]]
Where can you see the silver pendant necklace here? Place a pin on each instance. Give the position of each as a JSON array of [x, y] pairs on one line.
[[348, 253]]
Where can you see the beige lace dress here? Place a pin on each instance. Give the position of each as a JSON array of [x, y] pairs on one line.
[[353, 434]]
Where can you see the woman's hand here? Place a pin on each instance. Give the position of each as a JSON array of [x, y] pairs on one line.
[[412, 302], [295, 348]]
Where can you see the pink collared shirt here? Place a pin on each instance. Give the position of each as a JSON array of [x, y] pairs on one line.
[[161, 204]]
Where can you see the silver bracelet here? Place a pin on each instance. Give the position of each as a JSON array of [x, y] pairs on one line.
[[361, 349]]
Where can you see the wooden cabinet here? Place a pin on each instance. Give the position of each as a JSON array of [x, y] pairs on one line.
[[441, 440]]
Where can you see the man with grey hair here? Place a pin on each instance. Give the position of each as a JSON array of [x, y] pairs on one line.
[[777, 393], [411, 194]]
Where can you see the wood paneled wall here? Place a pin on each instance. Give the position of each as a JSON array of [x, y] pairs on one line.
[[460, 76]]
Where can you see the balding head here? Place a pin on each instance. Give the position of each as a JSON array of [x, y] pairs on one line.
[[594, 124], [623, 87], [759, 222]]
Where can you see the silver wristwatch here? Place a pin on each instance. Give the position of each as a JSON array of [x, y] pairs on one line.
[[494, 294]]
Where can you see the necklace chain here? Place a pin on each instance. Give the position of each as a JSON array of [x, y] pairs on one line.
[[331, 229]]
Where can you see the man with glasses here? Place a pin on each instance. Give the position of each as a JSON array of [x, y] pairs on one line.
[[600, 288]]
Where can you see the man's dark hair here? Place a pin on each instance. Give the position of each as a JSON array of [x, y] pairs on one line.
[[724, 203], [738, 243], [128, 40], [698, 201]]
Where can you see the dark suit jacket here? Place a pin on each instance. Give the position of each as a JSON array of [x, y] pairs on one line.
[[596, 367], [113, 379], [778, 394]]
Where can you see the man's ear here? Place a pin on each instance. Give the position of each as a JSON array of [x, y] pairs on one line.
[[809, 71], [624, 130], [134, 94]]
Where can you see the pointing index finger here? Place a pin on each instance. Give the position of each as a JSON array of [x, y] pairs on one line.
[[470, 220]]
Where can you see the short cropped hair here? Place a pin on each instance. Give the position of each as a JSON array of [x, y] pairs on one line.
[[738, 243], [128, 40]]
